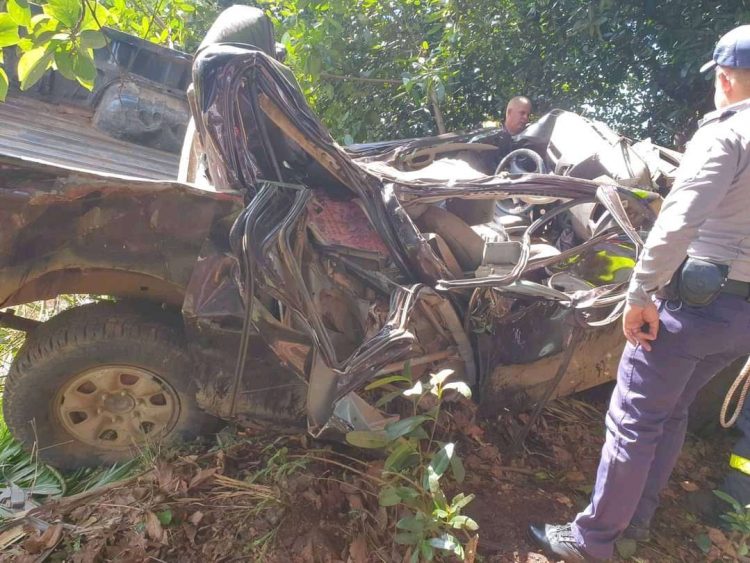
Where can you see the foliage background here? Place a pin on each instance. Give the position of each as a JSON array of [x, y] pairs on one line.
[[376, 69], [631, 63]]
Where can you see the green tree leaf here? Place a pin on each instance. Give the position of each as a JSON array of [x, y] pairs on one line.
[[38, 19], [457, 468], [387, 398], [32, 66], [386, 380], [407, 538], [411, 524], [464, 523], [93, 21], [8, 31], [426, 550], [403, 427], [64, 63], [735, 504], [442, 458], [67, 12], [460, 501], [405, 454], [92, 39], [84, 69], [3, 85], [447, 542], [20, 11], [388, 496], [367, 439]]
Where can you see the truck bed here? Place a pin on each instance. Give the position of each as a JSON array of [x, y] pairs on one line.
[[31, 128]]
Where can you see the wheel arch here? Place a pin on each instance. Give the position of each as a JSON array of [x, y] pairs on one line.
[[119, 283]]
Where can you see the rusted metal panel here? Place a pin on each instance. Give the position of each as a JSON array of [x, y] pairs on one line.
[[64, 136], [64, 230]]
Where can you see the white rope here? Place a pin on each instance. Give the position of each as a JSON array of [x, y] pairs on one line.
[[743, 375]]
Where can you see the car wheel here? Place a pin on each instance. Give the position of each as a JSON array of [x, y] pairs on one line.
[[100, 382]]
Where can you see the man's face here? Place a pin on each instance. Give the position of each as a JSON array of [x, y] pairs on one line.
[[517, 117]]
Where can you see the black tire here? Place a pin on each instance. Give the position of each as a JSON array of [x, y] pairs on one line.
[[90, 338]]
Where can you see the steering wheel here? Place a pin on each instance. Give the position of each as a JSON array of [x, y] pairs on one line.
[[518, 205]]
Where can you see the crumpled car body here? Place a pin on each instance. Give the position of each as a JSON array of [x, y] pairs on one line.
[[349, 263], [304, 270]]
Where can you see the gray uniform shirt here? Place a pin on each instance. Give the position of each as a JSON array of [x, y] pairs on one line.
[[707, 212]]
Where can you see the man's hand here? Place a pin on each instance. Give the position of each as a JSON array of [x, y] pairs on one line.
[[635, 318]]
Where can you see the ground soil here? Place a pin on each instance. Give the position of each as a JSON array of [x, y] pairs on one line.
[[262, 498]]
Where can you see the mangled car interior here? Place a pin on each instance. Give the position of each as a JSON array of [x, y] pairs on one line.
[[318, 268]]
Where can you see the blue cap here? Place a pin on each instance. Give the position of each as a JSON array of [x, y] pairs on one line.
[[732, 50]]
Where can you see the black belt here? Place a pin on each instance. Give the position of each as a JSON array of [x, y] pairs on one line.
[[735, 287]]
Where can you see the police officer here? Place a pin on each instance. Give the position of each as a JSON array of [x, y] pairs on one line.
[[702, 237]]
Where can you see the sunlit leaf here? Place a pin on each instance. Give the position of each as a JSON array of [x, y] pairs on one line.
[[38, 19], [441, 459], [416, 390], [96, 19], [32, 66], [67, 12], [20, 11], [387, 380], [447, 542], [459, 387], [3, 85], [460, 501], [8, 31], [439, 377], [464, 523]]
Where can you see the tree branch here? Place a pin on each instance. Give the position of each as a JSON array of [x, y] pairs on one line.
[[436, 111]]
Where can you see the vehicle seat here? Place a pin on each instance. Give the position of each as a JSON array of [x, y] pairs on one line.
[[467, 243]]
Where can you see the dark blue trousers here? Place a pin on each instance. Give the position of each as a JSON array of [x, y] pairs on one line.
[[647, 417]]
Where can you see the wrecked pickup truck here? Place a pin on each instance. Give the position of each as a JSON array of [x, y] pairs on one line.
[[291, 272]]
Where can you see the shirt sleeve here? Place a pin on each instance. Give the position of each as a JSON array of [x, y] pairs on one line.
[[704, 177]]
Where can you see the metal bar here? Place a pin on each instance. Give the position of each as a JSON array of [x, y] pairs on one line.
[[9, 319]]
